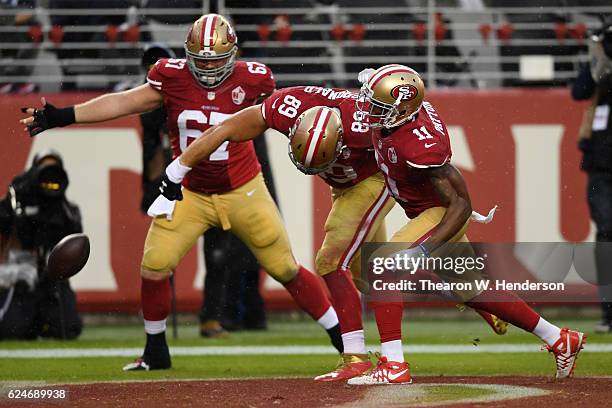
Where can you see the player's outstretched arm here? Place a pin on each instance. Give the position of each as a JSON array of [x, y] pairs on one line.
[[240, 127], [105, 107], [451, 188]]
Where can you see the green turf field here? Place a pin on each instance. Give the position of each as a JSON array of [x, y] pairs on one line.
[[470, 333]]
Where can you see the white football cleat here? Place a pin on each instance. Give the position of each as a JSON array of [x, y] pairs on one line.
[[566, 351], [386, 372]]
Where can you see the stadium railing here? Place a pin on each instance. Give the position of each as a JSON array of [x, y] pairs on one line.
[[327, 45]]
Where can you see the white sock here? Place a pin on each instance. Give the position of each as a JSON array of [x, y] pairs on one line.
[[155, 326], [549, 333], [392, 350], [329, 319], [354, 342]]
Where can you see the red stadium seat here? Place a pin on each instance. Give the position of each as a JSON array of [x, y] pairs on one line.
[[283, 28], [358, 32], [419, 31], [264, 31], [504, 32], [132, 33], [35, 33], [485, 32], [338, 31], [578, 32], [440, 29], [112, 33], [561, 31], [56, 35]]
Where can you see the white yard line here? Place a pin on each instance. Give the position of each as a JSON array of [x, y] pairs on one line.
[[277, 350]]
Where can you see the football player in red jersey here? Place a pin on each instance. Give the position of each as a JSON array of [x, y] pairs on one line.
[[413, 151], [327, 139], [225, 188]]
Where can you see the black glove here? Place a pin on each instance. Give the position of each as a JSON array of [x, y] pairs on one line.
[[170, 190], [49, 117]]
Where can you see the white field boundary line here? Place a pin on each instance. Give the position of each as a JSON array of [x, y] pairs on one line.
[[15, 384], [278, 350]]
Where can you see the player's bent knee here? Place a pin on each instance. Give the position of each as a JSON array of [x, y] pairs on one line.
[[154, 275], [324, 267], [326, 262], [282, 272], [157, 262]]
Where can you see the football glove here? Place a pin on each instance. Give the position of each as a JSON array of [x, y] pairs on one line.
[[49, 117], [365, 74], [170, 185], [169, 189]]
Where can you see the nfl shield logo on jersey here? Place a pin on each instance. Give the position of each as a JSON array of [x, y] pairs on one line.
[[392, 155], [238, 95], [211, 95]]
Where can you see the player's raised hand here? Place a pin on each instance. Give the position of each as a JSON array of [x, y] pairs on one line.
[[47, 117]]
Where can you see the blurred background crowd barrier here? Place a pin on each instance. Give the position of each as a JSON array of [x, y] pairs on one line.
[[70, 44]]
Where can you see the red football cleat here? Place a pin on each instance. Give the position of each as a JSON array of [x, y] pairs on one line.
[[566, 351], [350, 365], [386, 372]]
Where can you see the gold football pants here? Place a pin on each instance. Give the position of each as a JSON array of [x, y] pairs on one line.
[[357, 216], [248, 211]]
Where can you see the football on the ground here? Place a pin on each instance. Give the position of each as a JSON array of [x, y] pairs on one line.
[[68, 257]]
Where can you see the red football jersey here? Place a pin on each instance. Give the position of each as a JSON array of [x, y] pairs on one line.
[[191, 109], [404, 153], [357, 161]]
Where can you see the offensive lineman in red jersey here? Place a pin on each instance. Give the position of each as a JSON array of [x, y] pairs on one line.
[[327, 139], [225, 189], [413, 151]]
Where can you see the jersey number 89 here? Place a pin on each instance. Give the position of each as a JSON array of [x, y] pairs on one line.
[[289, 106]]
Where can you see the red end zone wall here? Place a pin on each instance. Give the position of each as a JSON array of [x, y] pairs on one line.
[[516, 148]]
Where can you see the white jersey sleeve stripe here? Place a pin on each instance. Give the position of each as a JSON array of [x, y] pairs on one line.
[[155, 84]]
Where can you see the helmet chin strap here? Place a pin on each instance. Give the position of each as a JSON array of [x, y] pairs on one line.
[[402, 121], [394, 111]]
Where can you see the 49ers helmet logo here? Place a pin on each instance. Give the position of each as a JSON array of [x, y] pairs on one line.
[[231, 36], [406, 92]]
